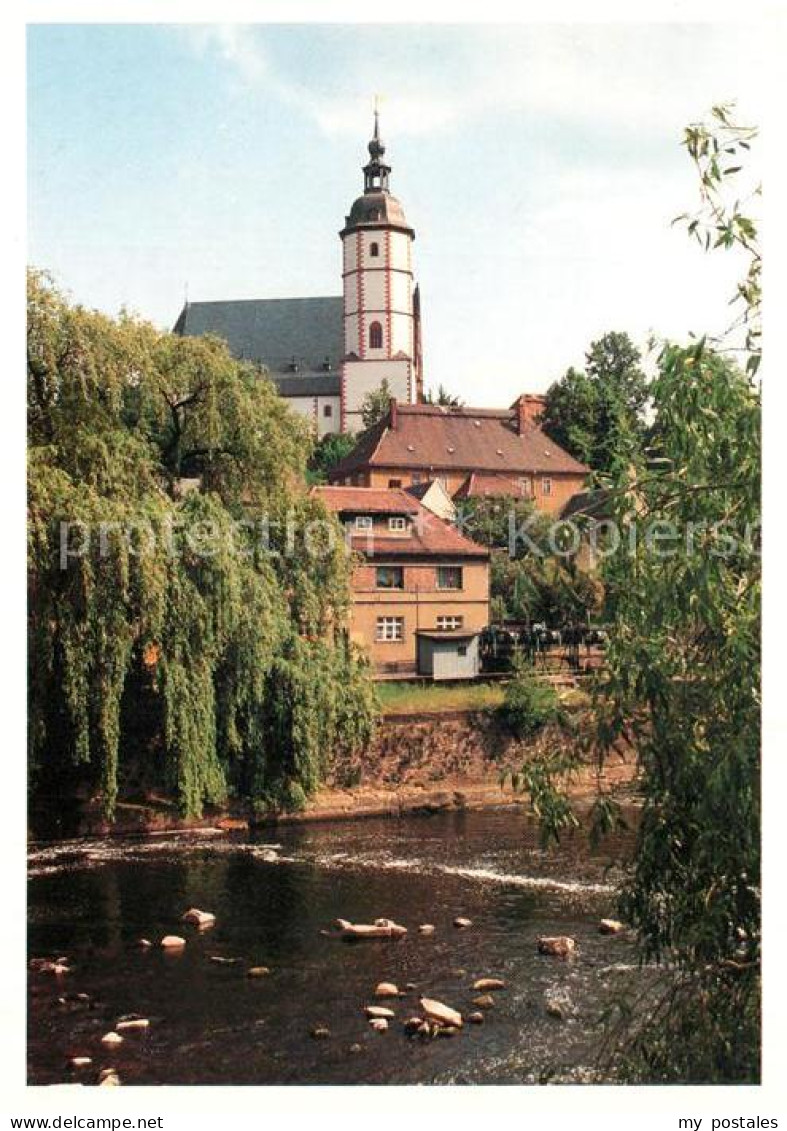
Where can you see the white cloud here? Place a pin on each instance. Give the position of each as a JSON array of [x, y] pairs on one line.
[[635, 76]]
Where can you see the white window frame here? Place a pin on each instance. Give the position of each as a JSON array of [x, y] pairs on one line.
[[397, 522], [546, 486], [455, 622], [450, 588], [389, 630], [363, 522]]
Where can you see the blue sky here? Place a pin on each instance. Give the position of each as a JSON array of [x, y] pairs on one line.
[[540, 166]]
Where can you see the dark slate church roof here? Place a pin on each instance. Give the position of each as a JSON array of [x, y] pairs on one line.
[[300, 341]]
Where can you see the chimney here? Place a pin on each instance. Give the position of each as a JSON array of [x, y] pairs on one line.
[[529, 409], [393, 415]]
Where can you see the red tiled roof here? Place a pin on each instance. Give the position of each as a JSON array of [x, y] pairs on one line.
[[480, 485], [429, 535], [444, 438], [367, 500]]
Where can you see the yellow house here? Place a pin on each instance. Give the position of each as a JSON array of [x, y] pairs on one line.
[[420, 592]]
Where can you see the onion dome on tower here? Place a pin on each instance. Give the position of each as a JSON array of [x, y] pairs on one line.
[[377, 205]]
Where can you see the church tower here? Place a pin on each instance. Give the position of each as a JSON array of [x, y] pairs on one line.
[[382, 335]]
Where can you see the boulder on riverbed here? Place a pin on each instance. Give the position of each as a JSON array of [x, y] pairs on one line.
[[476, 1018], [132, 1025], [484, 1001], [379, 1024], [112, 1040], [462, 923], [321, 1032], [426, 929], [80, 1061], [386, 989], [257, 972], [379, 1011], [380, 929], [173, 942], [610, 927], [489, 984], [199, 918], [440, 1013], [561, 946]]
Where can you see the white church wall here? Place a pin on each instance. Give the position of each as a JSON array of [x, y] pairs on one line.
[[362, 377]]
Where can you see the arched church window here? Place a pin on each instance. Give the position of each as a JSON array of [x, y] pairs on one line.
[[375, 336], [374, 250]]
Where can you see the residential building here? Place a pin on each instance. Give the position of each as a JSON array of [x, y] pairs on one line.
[[420, 591], [471, 452]]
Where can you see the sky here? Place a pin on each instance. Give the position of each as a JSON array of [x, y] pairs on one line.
[[540, 166]]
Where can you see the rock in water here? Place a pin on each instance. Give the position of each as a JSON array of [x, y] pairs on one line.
[[610, 927], [489, 984], [484, 1001], [144, 944], [173, 942], [476, 1018], [379, 1024], [321, 1032], [462, 922], [133, 1024], [442, 1014], [379, 1011], [111, 1080], [386, 989], [112, 1039], [559, 945], [199, 918], [81, 1061], [257, 972], [426, 929], [380, 929]]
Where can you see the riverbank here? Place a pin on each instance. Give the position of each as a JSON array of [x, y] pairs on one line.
[[424, 763]]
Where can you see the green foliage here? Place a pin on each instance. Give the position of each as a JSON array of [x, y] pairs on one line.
[[443, 397], [537, 578], [191, 613], [719, 149], [375, 405], [327, 452], [528, 705], [683, 684], [597, 415]]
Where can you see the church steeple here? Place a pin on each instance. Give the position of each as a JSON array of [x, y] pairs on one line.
[[376, 172]]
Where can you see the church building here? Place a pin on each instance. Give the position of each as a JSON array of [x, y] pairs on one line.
[[325, 354]]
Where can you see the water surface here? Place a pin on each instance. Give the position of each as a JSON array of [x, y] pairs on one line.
[[90, 901]]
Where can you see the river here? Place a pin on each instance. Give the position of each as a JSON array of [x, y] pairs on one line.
[[90, 902]]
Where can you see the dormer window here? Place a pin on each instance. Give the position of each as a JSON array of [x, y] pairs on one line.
[[375, 336], [397, 523], [374, 250]]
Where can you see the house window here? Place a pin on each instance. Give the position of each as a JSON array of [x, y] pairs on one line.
[[390, 628], [376, 336], [327, 410], [546, 486], [394, 482], [416, 477], [363, 522], [449, 624], [374, 250], [449, 577], [397, 523], [390, 577], [526, 487]]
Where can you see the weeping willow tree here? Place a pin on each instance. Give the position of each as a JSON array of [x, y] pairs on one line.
[[184, 618]]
